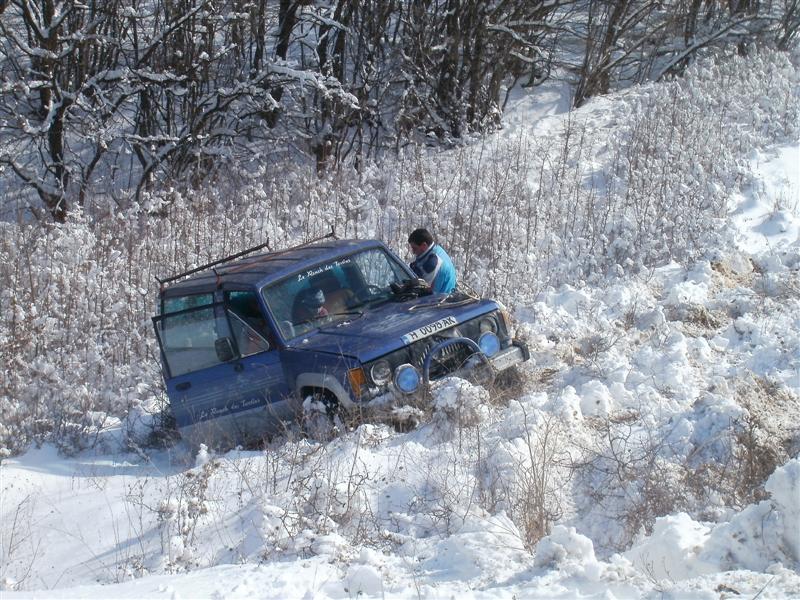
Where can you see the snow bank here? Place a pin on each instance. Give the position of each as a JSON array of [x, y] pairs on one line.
[[763, 533], [459, 402], [756, 539]]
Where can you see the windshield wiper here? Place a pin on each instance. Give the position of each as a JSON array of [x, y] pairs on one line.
[[347, 313], [451, 301], [316, 318]]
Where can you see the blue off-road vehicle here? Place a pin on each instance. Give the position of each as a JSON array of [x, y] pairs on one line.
[[244, 341]]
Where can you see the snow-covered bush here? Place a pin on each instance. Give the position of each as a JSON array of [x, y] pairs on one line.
[[74, 332], [458, 403], [528, 470]]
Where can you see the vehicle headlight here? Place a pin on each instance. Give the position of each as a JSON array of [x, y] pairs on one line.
[[488, 324], [381, 372], [407, 378], [489, 343]]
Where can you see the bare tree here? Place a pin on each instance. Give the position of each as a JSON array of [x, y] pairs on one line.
[[104, 100], [630, 41], [57, 68], [460, 54]]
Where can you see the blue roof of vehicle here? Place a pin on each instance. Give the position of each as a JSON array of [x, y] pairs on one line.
[[257, 270]]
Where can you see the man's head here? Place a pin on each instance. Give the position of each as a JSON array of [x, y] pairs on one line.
[[419, 241]]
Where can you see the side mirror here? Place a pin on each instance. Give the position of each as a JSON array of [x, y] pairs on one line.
[[224, 348]]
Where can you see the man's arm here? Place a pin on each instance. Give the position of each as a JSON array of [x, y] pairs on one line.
[[429, 268]]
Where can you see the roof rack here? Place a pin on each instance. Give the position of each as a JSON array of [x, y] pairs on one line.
[[162, 282]]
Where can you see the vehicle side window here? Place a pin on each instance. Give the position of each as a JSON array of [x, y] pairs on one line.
[[188, 338], [378, 269], [180, 303], [248, 324], [280, 298]]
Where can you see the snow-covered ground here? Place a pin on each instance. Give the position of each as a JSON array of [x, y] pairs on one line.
[[669, 392]]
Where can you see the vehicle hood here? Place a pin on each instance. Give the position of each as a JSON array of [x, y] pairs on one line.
[[380, 331]]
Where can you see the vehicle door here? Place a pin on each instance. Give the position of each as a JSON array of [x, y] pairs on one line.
[[218, 365]]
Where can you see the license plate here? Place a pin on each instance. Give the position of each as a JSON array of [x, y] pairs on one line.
[[428, 330]]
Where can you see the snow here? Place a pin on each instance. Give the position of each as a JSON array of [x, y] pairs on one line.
[[767, 216], [635, 384], [759, 538]]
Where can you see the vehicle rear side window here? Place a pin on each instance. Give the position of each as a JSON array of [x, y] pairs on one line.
[[188, 338]]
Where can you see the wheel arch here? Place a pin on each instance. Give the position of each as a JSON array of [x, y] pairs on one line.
[[310, 382]]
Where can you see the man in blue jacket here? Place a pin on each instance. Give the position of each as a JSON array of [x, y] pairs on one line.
[[432, 263]]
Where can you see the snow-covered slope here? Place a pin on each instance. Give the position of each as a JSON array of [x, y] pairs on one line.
[[629, 462]]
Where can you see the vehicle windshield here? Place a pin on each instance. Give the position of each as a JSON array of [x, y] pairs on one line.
[[334, 291]]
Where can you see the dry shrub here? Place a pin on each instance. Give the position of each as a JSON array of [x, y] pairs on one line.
[[538, 481], [529, 482], [764, 438], [697, 319], [628, 476], [634, 473]]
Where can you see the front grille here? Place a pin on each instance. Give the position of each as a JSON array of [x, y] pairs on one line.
[[447, 360]]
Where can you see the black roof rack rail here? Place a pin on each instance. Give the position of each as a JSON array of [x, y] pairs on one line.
[[331, 234], [213, 263]]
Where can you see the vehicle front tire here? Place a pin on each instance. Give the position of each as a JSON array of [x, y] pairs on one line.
[[321, 416]]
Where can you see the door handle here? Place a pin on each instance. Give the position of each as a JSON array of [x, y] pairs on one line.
[[183, 386]]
